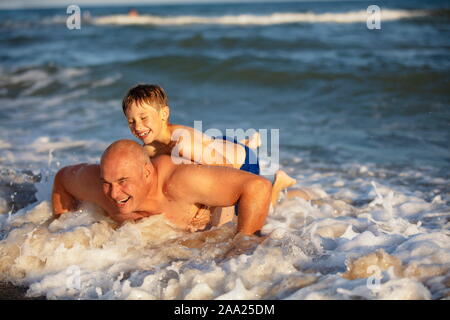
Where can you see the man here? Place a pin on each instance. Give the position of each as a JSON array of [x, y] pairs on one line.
[[128, 186]]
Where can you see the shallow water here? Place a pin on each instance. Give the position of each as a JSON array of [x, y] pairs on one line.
[[393, 247], [364, 123]]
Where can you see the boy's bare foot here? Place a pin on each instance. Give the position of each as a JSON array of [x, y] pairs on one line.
[[283, 181], [253, 142]]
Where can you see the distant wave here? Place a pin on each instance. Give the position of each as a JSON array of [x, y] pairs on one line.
[[249, 19]]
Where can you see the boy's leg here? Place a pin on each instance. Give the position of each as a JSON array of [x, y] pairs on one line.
[[253, 142]]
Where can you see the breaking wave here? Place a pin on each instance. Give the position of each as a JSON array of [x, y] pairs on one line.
[[251, 19]]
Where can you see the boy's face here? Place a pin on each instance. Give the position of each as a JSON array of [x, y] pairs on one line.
[[145, 121]]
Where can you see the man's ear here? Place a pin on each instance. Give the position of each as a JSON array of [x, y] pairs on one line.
[[165, 113], [148, 170]]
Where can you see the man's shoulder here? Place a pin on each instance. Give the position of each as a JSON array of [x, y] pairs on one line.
[[172, 169], [82, 181], [162, 160], [82, 169], [164, 166], [78, 176]]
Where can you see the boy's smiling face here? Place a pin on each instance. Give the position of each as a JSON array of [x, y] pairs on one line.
[[145, 121]]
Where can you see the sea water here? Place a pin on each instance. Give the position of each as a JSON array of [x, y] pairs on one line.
[[364, 125]]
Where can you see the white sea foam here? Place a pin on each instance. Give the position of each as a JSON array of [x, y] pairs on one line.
[[314, 250], [37, 79], [251, 19], [38, 153], [106, 81]]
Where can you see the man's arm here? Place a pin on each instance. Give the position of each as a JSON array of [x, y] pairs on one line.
[[62, 200], [77, 183], [222, 187]]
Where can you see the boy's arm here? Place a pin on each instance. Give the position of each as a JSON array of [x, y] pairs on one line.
[[200, 148], [222, 187]]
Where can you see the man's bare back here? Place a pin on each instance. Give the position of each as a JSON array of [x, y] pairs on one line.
[[129, 187]]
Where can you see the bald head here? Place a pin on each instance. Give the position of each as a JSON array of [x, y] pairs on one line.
[[127, 175], [124, 151]]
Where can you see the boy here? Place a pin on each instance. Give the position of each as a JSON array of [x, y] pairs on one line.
[[146, 109]]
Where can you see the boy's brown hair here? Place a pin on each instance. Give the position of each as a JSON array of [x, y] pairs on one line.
[[145, 93]]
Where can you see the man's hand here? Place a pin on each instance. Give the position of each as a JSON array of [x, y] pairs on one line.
[[201, 219]]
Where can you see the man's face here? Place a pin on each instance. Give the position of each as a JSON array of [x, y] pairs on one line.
[[125, 184], [144, 121]]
